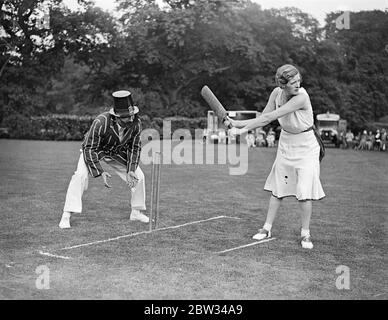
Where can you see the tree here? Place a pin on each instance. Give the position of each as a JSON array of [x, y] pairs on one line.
[[364, 70], [171, 52], [33, 53]]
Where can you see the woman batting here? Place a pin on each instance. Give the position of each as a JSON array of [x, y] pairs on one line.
[[295, 171]]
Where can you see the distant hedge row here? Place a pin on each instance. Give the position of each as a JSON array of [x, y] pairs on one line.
[[72, 127]]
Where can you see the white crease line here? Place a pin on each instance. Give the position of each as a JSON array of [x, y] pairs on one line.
[[146, 232], [237, 218], [380, 294], [8, 288], [53, 255], [244, 246]]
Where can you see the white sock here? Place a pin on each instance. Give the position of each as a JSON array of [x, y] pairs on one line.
[[267, 226], [305, 233], [66, 214]]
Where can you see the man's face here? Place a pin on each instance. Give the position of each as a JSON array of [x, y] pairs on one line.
[[125, 120]]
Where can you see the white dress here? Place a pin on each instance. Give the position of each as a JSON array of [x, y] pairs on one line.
[[295, 171]]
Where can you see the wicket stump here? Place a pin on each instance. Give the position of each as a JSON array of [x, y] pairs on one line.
[[155, 189]]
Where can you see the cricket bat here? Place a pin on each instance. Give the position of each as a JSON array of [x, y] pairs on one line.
[[215, 105]]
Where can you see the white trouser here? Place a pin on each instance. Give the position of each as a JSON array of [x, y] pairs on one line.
[[79, 184]]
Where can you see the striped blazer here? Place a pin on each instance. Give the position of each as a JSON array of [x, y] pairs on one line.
[[102, 140]]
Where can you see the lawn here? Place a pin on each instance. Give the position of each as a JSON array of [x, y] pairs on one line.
[[213, 212]]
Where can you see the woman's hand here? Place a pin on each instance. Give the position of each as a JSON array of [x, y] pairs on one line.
[[236, 132], [234, 123]]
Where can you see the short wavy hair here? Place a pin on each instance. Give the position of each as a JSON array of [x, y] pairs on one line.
[[285, 73]]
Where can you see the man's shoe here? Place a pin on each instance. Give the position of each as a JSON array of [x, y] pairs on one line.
[[307, 243], [262, 234], [65, 223], [65, 220], [137, 215]]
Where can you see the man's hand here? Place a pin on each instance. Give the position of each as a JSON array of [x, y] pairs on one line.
[[132, 179], [105, 175]]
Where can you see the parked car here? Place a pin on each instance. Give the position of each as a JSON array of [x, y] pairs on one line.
[[4, 133], [330, 126]]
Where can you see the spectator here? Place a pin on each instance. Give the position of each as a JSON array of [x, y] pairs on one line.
[[342, 141], [250, 140], [383, 139], [377, 144], [349, 137], [363, 137], [260, 139], [214, 138], [271, 138], [370, 139], [357, 139], [222, 136]]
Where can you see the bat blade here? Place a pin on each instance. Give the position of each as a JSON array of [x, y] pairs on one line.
[[215, 105]]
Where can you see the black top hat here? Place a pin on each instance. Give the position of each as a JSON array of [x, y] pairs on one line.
[[123, 104]]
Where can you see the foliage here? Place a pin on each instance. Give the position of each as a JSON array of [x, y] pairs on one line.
[[74, 127], [33, 54], [165, 53]]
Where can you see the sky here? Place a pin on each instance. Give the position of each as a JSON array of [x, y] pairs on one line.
[[317, 8]]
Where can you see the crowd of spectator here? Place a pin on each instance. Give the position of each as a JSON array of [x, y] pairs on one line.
[[365, 140], [261, 139]]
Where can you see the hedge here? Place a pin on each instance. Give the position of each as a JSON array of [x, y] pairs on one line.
[[73, 127]]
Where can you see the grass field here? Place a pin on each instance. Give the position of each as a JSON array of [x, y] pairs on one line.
[[348, 227]]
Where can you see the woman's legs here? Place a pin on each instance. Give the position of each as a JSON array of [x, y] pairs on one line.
[[273, 207], [305, 216], [306, 209]]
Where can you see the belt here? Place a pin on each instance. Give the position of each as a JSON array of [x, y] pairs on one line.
[[308, 129]]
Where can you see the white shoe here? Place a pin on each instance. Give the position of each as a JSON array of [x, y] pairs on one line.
[[307, 243], [262, 234], [65, 223], [137, 215]]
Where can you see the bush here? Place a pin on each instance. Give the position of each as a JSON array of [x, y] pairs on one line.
[[187, 123], [177, 123], [72, 127], [20, 127]]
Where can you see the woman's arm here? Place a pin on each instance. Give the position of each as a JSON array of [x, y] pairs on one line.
[[268, 108], [271, 101], [295, 103], [238, 123]]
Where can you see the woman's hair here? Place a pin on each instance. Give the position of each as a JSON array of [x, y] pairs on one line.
[[285, 73]]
